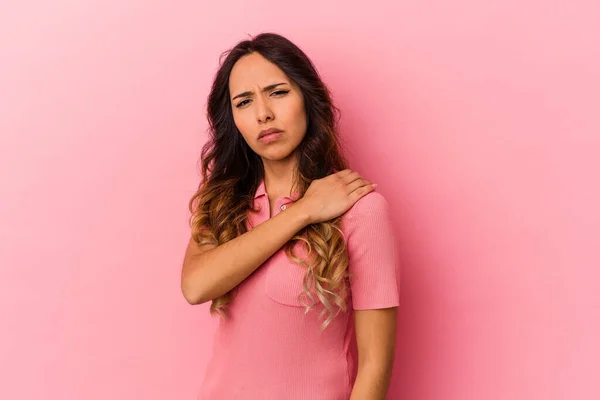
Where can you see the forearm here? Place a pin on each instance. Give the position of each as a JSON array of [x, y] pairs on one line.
[[217, 271], [372, 383]]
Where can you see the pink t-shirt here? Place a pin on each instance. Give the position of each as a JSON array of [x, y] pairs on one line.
[[268, 349]]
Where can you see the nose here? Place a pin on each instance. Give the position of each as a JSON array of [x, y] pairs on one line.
[[264, 112]]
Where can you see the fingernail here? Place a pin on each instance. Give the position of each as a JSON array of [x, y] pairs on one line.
[[374, 185]]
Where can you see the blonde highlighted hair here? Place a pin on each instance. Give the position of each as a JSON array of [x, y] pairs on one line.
[[231, 173]]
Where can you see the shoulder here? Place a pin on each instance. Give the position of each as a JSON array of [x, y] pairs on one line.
[[373, 203], [370, 212]]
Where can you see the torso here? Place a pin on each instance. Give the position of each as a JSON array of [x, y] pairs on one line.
[[268, 348]]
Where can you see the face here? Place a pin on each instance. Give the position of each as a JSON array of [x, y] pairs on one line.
[[263, 97]]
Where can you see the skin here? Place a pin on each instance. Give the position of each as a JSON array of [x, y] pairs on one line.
[[282, 107]]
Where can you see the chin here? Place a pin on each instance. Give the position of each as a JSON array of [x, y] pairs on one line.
[[276, 154]]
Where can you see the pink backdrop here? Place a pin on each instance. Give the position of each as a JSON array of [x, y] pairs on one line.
[[478, 120]]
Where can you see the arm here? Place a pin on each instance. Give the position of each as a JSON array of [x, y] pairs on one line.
[[375, 297], [211, 271], [375, 337]]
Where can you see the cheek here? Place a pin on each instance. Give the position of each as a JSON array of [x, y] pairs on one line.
[[242, 124], [297, 114], [302, 121]]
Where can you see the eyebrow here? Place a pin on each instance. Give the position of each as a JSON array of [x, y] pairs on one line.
[[265, 89]]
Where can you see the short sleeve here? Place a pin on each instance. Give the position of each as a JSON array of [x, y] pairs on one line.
[[372, 255]]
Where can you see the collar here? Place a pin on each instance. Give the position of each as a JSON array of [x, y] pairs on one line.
[[261, 191]]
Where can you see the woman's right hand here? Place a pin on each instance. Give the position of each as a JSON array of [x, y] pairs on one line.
[[330, 197]]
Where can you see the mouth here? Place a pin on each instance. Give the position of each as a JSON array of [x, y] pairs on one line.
[[269, 134], [270, 137], [269, 131]]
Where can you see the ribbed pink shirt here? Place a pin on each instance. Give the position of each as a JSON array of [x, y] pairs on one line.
[[268, 349]]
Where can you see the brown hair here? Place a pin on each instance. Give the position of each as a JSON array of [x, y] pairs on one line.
[[232, 171]]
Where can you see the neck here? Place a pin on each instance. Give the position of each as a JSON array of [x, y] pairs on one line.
[[279, 176]]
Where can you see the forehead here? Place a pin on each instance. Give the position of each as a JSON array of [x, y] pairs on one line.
[[253, 69]]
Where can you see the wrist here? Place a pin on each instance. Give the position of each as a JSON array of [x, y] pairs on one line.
[[302, 216]]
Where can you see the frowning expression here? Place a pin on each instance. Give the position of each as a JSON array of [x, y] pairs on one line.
[[263, 97]]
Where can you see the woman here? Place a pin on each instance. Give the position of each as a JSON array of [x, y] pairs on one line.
[[294, 250]]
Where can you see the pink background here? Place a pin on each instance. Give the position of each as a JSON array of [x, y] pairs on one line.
[[478, 120]]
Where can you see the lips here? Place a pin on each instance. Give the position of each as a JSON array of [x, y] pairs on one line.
[[271, 137], [269, 131]]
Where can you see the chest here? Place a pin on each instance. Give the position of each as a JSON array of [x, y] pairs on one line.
[[275, 206]]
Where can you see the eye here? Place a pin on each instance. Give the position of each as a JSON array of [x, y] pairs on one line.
[[278, 93], [282, 92], [242, 103]]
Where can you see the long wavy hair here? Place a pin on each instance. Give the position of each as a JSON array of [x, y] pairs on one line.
[[232, 171]]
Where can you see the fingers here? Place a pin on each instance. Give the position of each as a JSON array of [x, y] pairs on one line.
[[358, 184], [354, 182], [348, 176], [352, 179]]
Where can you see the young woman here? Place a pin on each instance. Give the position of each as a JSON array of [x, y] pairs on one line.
[[294, 250]]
